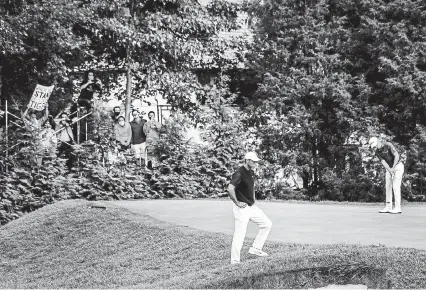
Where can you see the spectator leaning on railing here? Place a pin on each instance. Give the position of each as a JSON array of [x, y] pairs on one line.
[[88, 88], [30, 119], [66, 138], [123, 133], [48, 141], [33, 125]]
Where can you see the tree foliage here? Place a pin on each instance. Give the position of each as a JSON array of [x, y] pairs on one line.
[[330, 69]]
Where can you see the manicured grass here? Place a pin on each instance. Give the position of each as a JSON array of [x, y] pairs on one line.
[[71, 245]]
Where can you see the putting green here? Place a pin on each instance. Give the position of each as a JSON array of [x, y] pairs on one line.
[[299, 222]]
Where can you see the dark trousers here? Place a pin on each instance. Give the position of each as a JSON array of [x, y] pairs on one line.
[[65, 150]]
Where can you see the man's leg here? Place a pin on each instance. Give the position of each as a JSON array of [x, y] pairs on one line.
[[143, 153], [137, 153], [240, 228], [149, 161], [265, 225], [388, 207], [396, 186]]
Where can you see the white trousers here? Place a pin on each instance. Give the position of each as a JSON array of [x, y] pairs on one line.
[[242, 217], [139, 150], [395, 185]]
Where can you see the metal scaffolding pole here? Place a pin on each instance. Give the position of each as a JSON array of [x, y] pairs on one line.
[[78, 125], [6, 137]]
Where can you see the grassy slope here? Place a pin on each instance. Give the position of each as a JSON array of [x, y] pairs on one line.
[[70, 245]]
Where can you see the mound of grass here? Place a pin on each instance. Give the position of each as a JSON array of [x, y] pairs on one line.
[[71, 244]]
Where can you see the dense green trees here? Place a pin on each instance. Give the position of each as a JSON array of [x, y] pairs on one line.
[[331, 69], [318, 76], [161, 41]]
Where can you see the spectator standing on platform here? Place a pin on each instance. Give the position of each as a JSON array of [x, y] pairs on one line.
[[88, 88], [152, 132], [138, 136], [123, 133], [91, 86], [65, 137], [31, 121], [33, 125]]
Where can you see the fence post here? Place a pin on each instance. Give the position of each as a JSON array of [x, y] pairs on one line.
[[78, 124]]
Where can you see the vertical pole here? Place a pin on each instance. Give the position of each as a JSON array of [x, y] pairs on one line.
[[128, 87], [129, 65], [86, 128], [158, 110], [7, 137], [78, 124]]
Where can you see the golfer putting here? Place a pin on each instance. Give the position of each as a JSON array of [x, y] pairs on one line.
[[390, 159], [241, 191]]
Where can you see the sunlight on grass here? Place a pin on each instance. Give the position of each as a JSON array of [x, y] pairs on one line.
[[70, 245]]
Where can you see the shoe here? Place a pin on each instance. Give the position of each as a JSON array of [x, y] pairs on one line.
[[235, 262], [257, 252], [385, 210], [395, 211]]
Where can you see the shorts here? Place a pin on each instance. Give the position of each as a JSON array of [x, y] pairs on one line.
[[139, 150]]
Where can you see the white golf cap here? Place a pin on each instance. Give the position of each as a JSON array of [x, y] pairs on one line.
[[251, 156], [373, 142]]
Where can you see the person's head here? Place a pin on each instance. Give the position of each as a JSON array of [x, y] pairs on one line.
[[251, 159], [64, 116], [116, 111], [121, 121], [374, 143], [89, 76], [151, 115], [136, 115], [32, 114], [47, 125]]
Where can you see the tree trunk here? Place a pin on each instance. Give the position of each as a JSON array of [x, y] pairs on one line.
[[128, 90]]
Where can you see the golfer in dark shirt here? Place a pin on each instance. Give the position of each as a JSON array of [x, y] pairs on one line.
[[390, 159], [241, 191]]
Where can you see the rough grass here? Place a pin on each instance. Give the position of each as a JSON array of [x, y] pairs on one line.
[[72, 245]]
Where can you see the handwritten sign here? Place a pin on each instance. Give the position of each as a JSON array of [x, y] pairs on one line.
[[40, 97]]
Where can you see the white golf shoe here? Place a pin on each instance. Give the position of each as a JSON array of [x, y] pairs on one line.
[[395, 211], [257, 252], [385, 210]]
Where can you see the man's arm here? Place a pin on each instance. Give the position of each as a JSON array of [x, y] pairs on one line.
[[145, 128], [129, 134], [236, 179], [395, 153], [254, 190], [386, 165], [83, 86], [115, 132], [232, 195], [46, 115]]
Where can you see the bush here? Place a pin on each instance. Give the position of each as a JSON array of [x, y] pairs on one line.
[[362, 187]]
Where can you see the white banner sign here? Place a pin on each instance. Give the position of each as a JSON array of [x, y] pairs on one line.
[[40, 97]]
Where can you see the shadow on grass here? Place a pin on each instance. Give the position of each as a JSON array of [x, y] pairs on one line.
[[357, 273]]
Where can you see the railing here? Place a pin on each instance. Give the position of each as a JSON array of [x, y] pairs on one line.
[[7, 113]]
